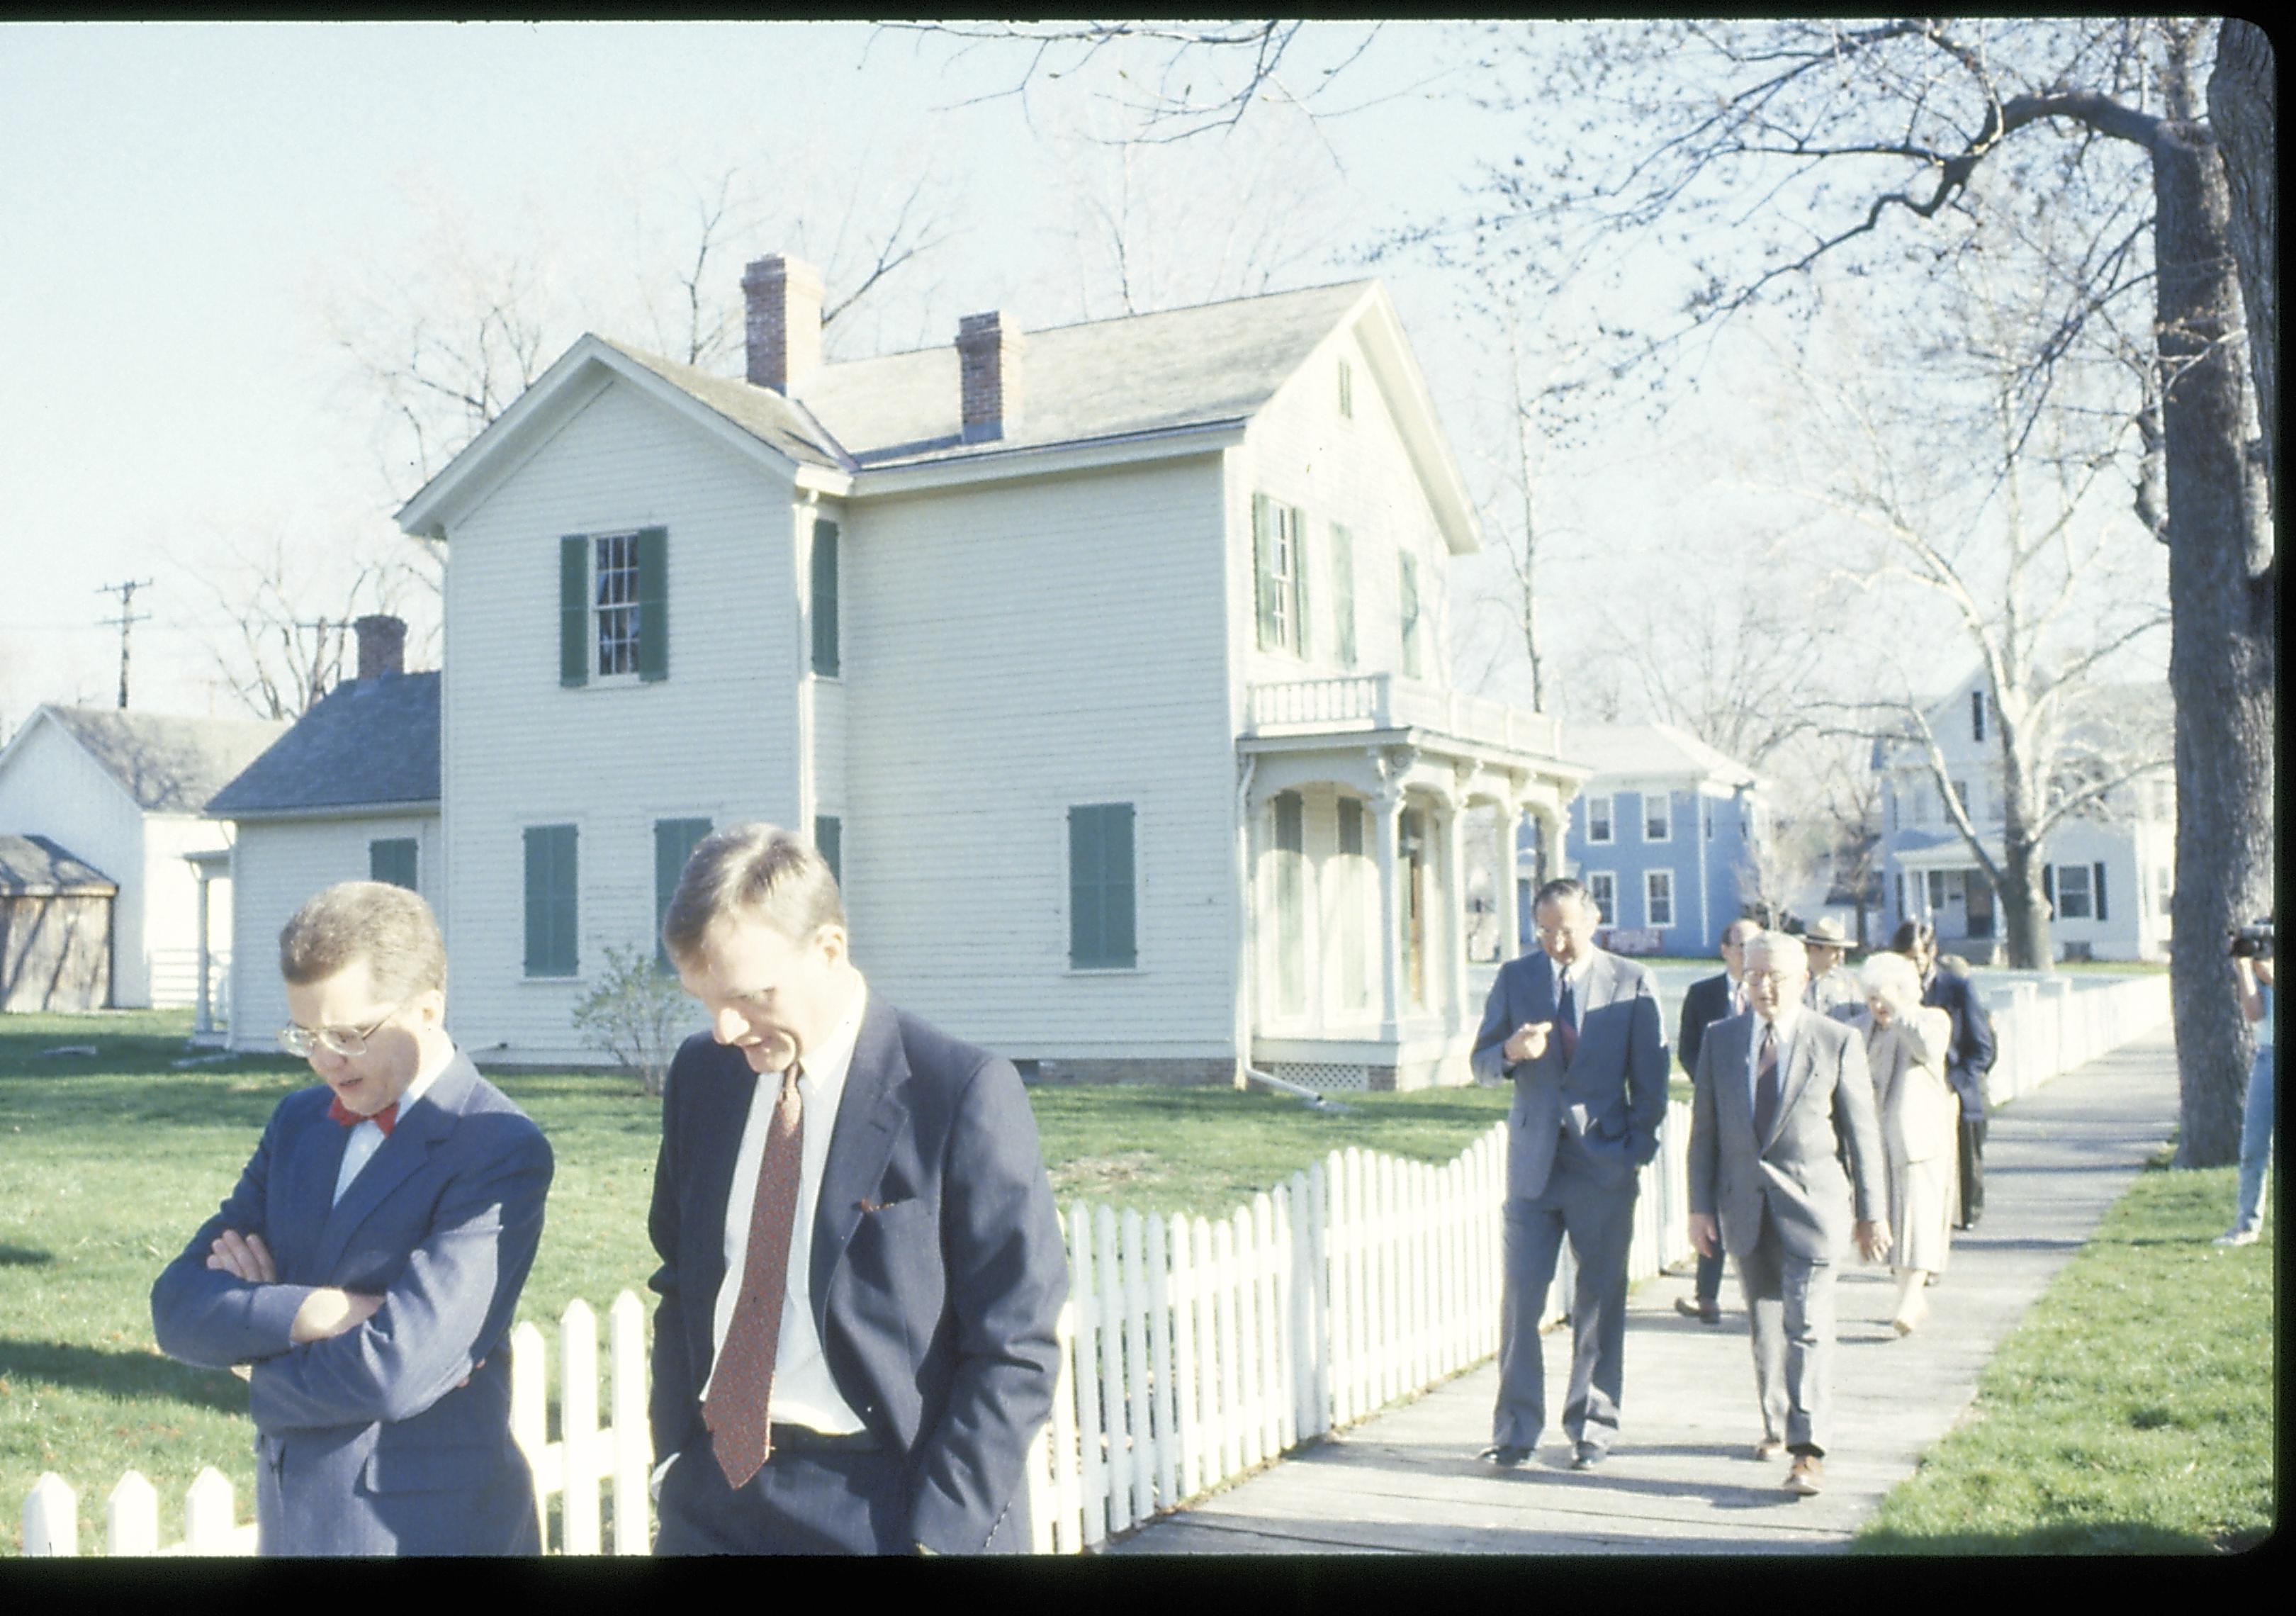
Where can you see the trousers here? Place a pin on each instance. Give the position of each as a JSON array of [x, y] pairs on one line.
[[840, 1501], [1790, 1302], [2255, 1141], [1596, 1212]]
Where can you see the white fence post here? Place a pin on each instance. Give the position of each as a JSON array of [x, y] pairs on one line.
[[131, 1517], [529, 1394], [1092, 1472], [1118, 1485], [52, 1517], [1142, 1431], [209, 1524], [1164, 1328], [633, 1431], [577, 1426]]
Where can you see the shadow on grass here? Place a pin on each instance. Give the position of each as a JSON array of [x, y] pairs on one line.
[[142, 1375], [24, 1257]]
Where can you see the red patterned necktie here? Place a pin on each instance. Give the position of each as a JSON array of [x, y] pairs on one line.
[[1765, 1082], [736, 1410], [386, 1118]]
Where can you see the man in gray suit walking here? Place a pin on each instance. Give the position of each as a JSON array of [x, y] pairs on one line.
[[1578, 1030], [1783, 1100]]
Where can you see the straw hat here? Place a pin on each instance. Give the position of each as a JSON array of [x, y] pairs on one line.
[[1826, 932]]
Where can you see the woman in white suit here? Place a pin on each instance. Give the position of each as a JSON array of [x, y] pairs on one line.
[[1906, 1043]]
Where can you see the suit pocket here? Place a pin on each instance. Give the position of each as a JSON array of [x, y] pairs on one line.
[[422, 1469]]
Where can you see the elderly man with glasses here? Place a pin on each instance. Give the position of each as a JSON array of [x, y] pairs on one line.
[[363, 1275]]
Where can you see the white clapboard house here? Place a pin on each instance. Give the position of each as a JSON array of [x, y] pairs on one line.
[[1106, 663], [2107, 872], [349, 793], [124, 793]]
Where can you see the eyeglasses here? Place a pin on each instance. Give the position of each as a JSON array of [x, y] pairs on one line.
[[349, 1041]]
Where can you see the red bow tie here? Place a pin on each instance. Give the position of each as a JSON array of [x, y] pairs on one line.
[[386, 1118]]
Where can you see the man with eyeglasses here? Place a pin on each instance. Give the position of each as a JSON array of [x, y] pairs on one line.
[[1578, 1031], [363, 1275]]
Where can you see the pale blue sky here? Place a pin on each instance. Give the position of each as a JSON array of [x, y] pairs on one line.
[[169, 192]]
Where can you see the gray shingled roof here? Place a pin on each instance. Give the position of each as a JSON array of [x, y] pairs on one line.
[[169, 764], [1102, 378], [367, 742], [33, 866]]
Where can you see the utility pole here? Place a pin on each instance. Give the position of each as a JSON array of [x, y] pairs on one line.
[[127, 618]]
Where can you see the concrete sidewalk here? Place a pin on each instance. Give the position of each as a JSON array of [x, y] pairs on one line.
[[1682, 1478]]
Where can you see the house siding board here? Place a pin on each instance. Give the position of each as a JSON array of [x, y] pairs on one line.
[[1109, 686], [1300, 451], [53, 788], [276, 865], [716, 738]]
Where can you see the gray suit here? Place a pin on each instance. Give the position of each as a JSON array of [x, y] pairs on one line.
[[1784, 1199], [1576, 1136]]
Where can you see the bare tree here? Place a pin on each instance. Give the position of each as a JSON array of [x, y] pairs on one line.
[[2242, 110], [438, 343], [278, 629], [2038, 572], [1772, 146]]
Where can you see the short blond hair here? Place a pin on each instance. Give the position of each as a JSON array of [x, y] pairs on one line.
[[387, 926], [758, 868]]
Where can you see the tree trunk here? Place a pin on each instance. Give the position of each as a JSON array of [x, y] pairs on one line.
[[2241, 106], [2220, 666], [2024, 917]]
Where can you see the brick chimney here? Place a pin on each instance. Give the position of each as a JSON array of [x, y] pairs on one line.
[[988, 361], [381, 646], [784, 295]]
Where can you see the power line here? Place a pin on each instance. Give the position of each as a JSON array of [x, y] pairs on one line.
[[128, 617]]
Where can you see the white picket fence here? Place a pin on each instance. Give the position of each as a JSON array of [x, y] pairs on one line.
[[1191, 1350]]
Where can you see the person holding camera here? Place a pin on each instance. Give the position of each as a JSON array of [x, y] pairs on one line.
[[2251, 961]]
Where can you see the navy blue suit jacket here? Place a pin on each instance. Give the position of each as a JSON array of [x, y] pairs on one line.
[[1704, 1001], [369, 1443], [937, 1266], [1972, 1055]]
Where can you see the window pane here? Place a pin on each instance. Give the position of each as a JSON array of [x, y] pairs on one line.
[[615, 592], [1657, 817], [1602, 890], [1598, 819], [2073, 891]]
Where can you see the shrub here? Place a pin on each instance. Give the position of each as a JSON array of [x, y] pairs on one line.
[[637, 1015]]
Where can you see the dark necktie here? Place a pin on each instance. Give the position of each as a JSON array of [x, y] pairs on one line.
[[1765, 1082], [386, 1118], [1566, 1023], [740, 1390]]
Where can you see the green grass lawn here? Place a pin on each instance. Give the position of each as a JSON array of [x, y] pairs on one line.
[[109, 1163], [2131, 1411]]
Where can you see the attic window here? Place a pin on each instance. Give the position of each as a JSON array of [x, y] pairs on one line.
[[617, 576], [1347, 390]]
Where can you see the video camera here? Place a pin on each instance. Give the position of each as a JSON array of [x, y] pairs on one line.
[[2253, 941]]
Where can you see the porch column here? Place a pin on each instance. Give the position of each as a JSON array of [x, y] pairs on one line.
[[1509, 908], [1455, 855], [204, 1021], [1388, 804]]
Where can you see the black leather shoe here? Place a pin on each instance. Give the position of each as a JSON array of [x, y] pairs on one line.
[[1705, 1312], [1588, 1456], [1505, 1458]]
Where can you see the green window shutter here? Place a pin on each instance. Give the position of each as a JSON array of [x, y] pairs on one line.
[[573, 609], [1263, 566], [829, 836], [1101, 907], [550, 900], [674, 841], [392, 859], [825, 597], [1410, 614], [1296, 523], [653, 604], [1343, 593], [2099, 868]]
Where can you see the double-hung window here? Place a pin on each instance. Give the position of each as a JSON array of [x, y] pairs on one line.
[[1280, 566], [613, 606], [1602, 887], [1658, 897], [1657, 817], [1598, 819]]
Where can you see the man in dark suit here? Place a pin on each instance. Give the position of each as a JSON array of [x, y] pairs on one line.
[[1579, 1032], [1971, 1058], [363, 1273], [1783, 1100], [861, 1262], [1709, 1000]]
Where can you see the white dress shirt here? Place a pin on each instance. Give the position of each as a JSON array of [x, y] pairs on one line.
[[366, 1138], [803, 1392]]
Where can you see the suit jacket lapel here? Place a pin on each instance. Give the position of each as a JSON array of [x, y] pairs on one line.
[[1801, 1064], [869, 1119], [418, 1130]]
